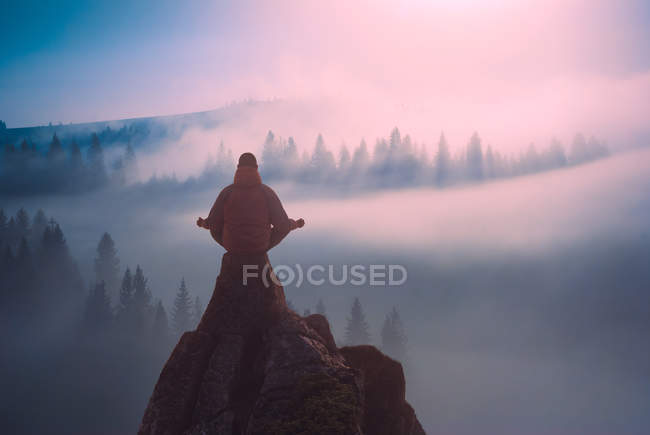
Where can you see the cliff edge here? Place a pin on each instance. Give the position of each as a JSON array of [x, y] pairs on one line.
[[253, 366]]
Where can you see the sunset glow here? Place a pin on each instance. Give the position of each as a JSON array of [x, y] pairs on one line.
[[202, 205], [516, 71]]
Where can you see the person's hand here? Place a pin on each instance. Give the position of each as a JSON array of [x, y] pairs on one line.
[[300, 223], [200, 222]]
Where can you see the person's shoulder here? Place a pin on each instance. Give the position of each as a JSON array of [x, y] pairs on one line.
[[267, 188], [226, 190]]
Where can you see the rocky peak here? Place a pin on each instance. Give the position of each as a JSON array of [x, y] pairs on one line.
[[253, 366]]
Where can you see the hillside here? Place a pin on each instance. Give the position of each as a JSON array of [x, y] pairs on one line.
[[134, 130]]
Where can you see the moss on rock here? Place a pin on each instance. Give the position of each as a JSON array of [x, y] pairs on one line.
[[320, 404]]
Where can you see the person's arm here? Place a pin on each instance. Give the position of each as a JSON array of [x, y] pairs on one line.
[[279, 219], [214, 221], [295, 224]]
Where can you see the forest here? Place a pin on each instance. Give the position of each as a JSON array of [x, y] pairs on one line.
[[107, 339], [394, 161]]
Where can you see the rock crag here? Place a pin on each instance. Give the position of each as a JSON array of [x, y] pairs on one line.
[[252, 366]]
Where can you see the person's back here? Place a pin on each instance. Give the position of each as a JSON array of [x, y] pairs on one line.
[[247, 216]]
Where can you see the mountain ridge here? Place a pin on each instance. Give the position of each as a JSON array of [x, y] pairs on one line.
[[254, 366]]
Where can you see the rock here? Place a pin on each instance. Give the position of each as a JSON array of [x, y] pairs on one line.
[[319, 323], [253, 366], [386, 409]]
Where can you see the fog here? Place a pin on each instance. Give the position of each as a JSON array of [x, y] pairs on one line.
[[526, 304], [527, 246], [191, 142], [529, 214]]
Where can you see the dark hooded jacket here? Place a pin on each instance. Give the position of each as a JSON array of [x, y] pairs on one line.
[[247, 216]]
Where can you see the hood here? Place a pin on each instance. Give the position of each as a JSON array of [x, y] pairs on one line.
[[247, 176]]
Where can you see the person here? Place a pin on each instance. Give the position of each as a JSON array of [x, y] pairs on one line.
[[247, 216]]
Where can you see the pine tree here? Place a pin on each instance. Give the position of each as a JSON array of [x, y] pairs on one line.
[[25, 148], [344, 159], [475, 158], [55, 152], [290, 156], [197, 311], [395, 140], [400, 345], [107, 264], [24, 254], [322, 162], [38, 227], [54, 241], [96, 167], [24, 156], [141, 299], [11, 235], [125, 307], [490, 171], [387, 334], [76, 160], [76, 165], [24, 272], [556, 155], [98, 313], [57, 270], [22, 223], [407, 146], [393, 338], [118, 175], [160, 323], [270, 156], [130, 164], [361, 157], [380, 153], [442, 162], [54, 253], [579, 149], [356, 331], [181, 313], [320, 308]]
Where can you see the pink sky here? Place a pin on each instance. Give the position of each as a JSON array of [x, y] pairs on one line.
[[516, 71]]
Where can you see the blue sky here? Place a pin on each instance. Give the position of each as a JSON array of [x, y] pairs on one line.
[[458, 62], [59, 54]]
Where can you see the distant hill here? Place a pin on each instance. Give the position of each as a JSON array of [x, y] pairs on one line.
[[132, 130], [60, 158]]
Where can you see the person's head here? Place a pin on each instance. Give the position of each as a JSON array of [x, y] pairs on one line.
[[247, 159]]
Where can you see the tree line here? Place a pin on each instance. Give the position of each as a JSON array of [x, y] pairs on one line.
[[24, 170], [100, 346], [125, 304], [394, 161], [107, 340], [38, 273], [398, 161]]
